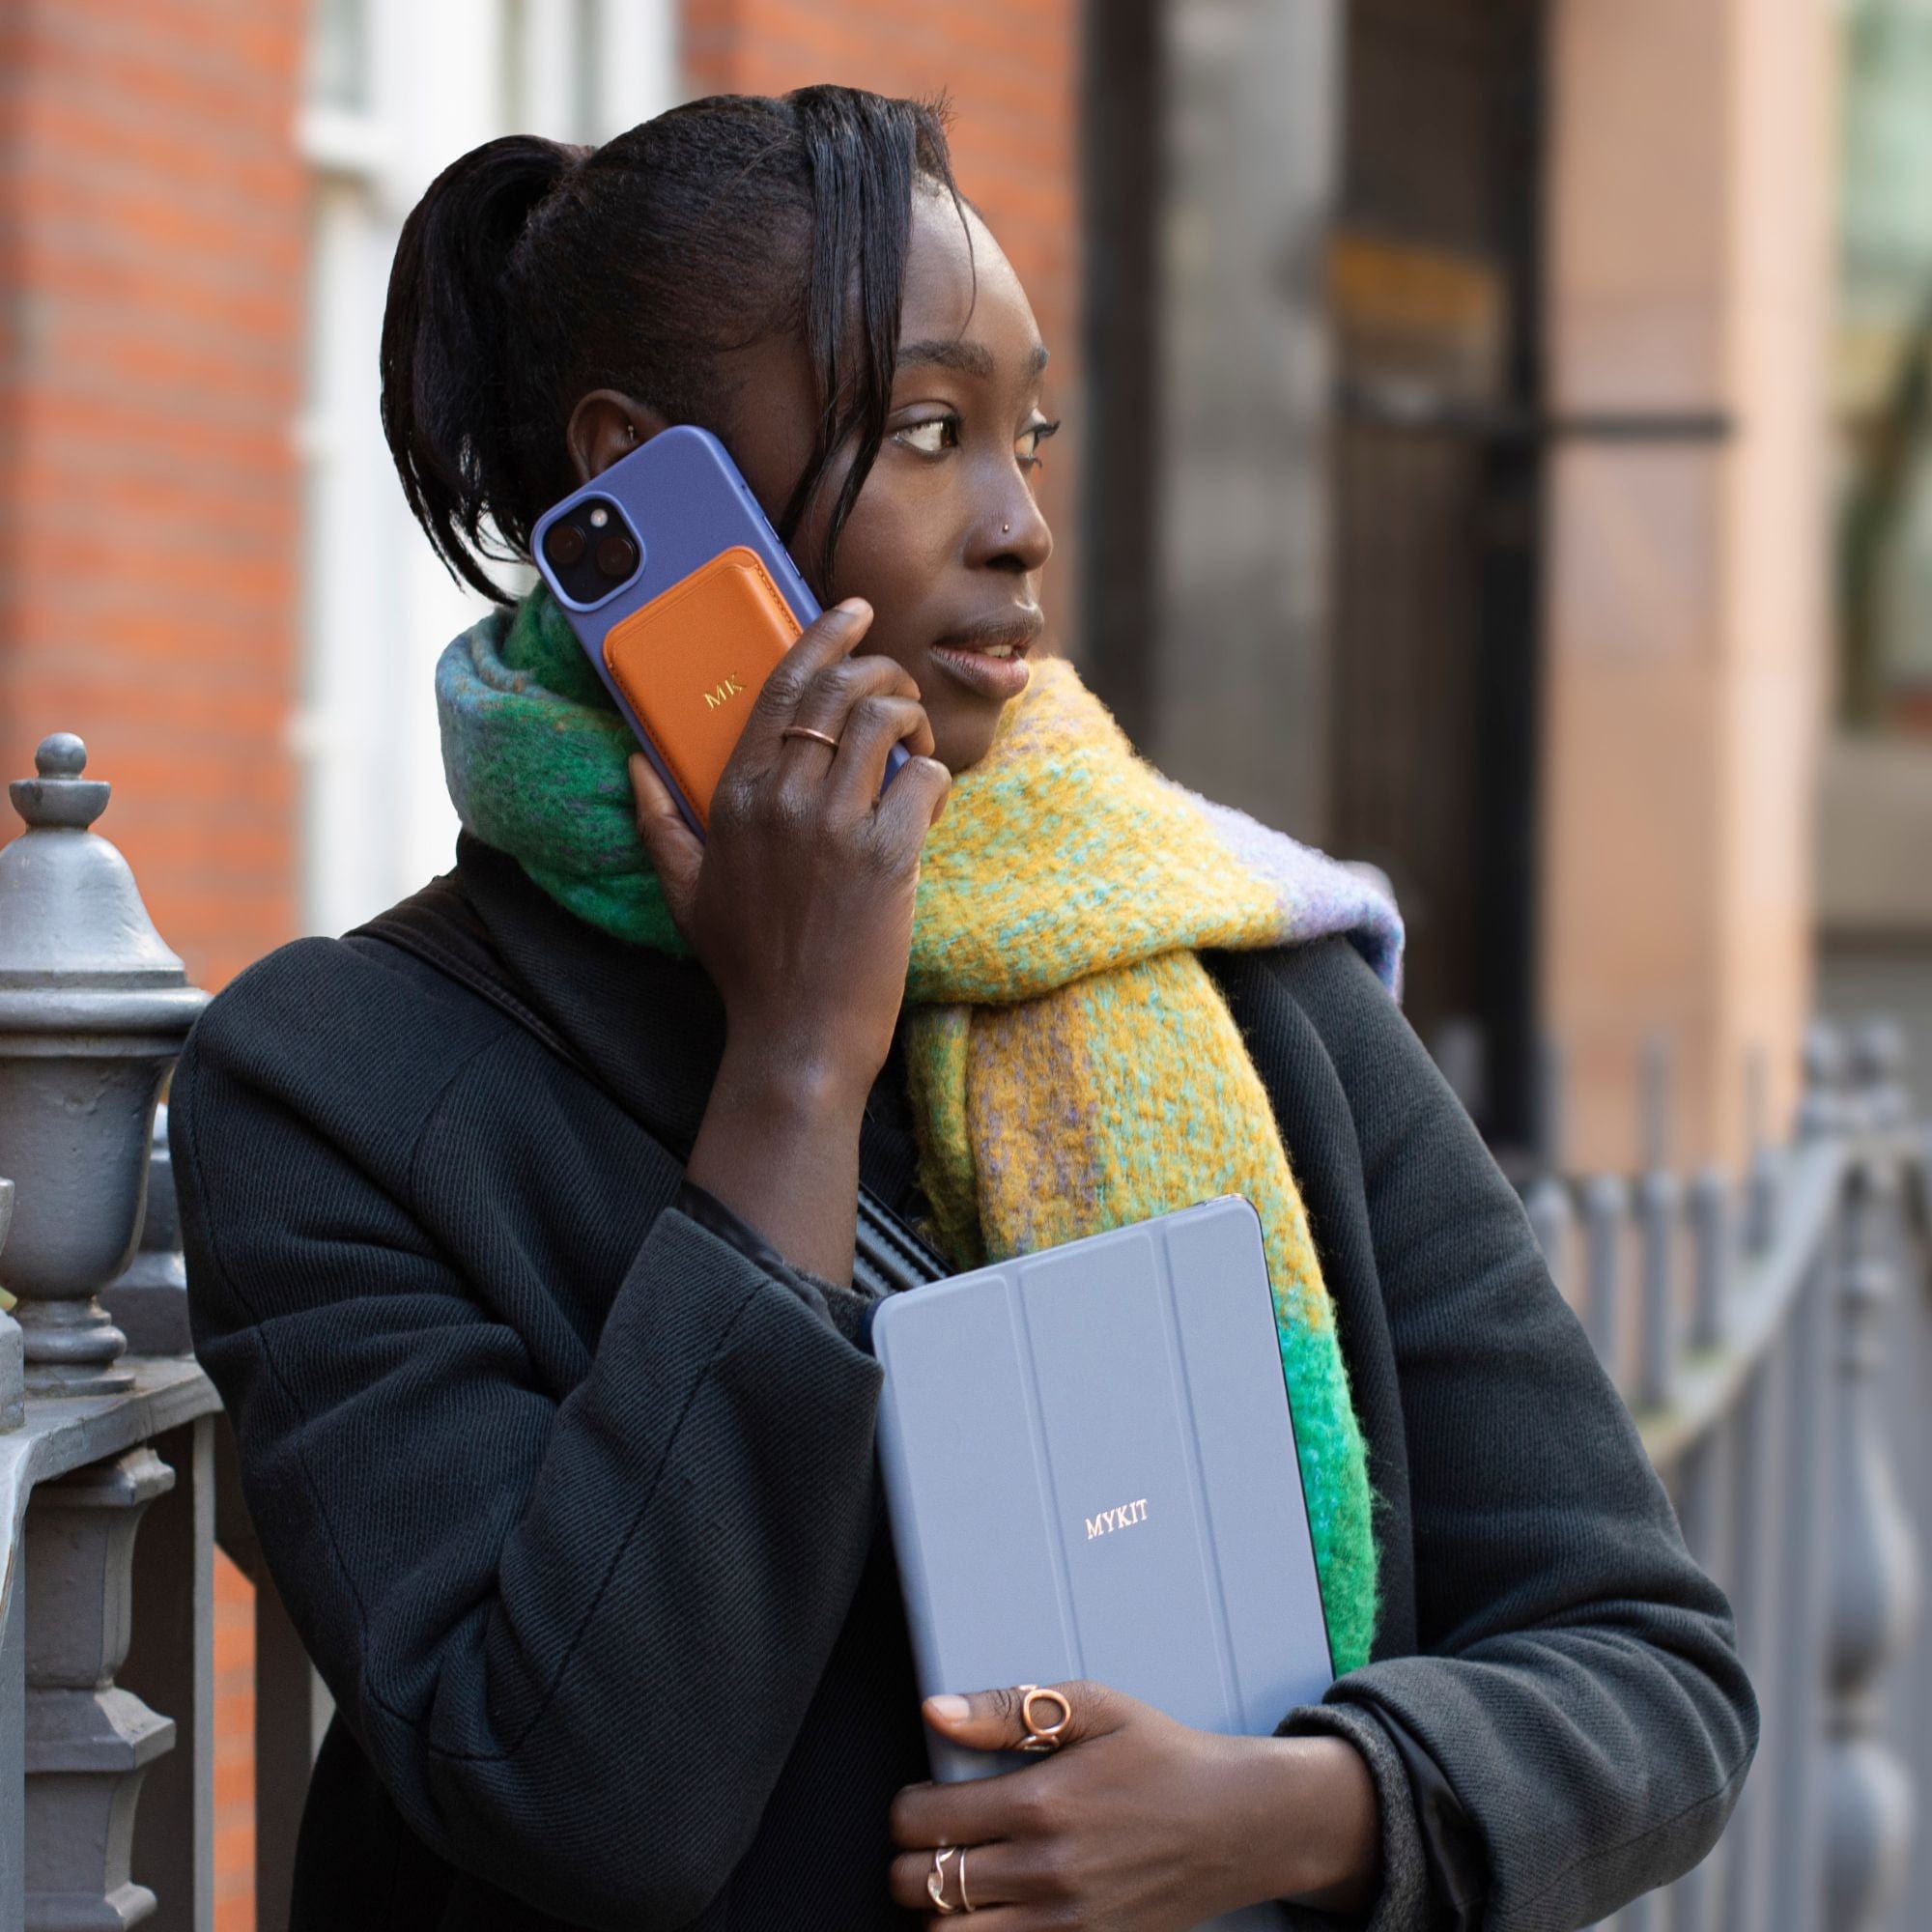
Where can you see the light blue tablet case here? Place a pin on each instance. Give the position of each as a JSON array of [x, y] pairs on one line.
[[1090, 1464]]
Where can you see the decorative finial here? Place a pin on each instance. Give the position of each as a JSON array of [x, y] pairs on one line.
[[92, 1010], [1880, 1056], [62, 756], [1822, 1108], [59, 799], [1879, 1050]]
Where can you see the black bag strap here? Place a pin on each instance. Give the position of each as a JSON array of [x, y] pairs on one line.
[[441, 927]]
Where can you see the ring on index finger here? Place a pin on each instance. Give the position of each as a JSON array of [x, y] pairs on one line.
[[805, 731], [1043, 1737]]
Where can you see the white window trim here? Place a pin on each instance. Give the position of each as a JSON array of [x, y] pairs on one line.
[[377, 608]]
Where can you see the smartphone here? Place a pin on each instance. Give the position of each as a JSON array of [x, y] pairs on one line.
[[682, 599]]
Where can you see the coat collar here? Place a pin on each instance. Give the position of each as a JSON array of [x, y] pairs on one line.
[[652, 1026]]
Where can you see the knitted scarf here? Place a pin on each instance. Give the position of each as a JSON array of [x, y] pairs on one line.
[[1072, 1065]]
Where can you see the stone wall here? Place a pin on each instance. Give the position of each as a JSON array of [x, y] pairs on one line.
[[1688, 255]]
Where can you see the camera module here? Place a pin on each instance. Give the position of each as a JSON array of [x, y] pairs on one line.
[[591, 552]]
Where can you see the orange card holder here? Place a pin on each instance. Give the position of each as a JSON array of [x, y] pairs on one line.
[[692, 662]]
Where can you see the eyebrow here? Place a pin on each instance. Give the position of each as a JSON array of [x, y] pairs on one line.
[[968, 358]]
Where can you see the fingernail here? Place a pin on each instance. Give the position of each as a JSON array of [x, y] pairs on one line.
[[854, 606], [948, 1705]]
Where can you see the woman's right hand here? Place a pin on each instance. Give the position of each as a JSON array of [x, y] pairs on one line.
[[799, 905]]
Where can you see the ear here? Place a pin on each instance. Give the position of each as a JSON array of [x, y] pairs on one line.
[[605, 425]]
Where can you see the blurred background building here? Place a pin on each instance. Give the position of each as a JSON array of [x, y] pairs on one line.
[[1499, 449]]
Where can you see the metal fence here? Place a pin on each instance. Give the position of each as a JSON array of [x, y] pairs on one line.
[[1744, 1321], [1741, 1318]]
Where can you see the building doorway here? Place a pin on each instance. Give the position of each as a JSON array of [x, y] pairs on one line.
[[1313, 531]]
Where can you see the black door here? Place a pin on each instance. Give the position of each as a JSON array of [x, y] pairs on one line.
[[1436, 484]]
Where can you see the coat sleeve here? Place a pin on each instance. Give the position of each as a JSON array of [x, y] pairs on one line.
[[535, 1614], [1576, 1699]]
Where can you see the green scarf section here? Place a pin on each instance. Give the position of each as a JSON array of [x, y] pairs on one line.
[[1073, 1067], [537, 761]]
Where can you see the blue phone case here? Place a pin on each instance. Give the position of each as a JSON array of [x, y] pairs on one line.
[[685, 503]]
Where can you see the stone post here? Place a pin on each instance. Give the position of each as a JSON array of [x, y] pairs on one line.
[[12, 1364], [89, 1742], [1687, 276]]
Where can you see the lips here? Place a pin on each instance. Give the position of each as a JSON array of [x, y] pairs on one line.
[[989, 657]]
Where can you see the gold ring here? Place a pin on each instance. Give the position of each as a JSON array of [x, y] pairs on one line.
[[805, 731], [935, 1878], [965, 1903], [1043, 1737]]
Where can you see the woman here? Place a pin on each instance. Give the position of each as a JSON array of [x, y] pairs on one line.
[[520, 1228]]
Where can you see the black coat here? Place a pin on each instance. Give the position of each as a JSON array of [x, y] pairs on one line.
[[571, 1495]]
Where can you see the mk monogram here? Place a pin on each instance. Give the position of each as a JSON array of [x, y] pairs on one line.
[[1117, 1518], [723, 693]]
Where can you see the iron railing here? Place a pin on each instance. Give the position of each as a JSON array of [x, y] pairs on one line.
[[1743, 1319]]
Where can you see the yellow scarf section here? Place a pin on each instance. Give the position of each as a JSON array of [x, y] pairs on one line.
[[1073, 1067]]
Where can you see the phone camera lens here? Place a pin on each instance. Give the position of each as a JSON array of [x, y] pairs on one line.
[[616, 558], [564, 544]]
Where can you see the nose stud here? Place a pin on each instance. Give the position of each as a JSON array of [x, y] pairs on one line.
[[1005, 527]]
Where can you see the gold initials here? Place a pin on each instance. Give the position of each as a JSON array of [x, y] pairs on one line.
[[723, 695]]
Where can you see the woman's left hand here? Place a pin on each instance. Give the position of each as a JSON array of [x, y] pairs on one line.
[[1136, 1823]]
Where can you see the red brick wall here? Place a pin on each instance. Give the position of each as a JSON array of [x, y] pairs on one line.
[[151, 261], [151, 226], [1011, 69], [234, 1749]]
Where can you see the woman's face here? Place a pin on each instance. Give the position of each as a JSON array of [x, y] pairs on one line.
[[946, 540]]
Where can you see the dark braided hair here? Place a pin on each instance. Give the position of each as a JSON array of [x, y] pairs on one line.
[[533, 272]]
